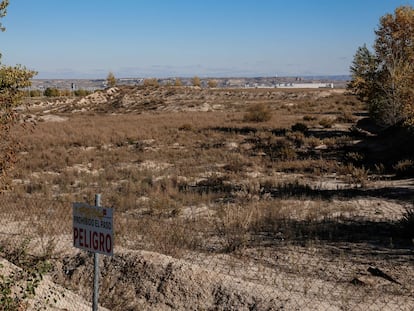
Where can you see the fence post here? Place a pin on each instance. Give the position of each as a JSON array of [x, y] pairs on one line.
[[96, 268]]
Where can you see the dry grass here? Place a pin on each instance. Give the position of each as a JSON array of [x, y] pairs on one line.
[[183, 179], [161, 162]]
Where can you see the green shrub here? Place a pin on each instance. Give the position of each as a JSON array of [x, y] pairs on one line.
[[35, 93], [51, 92], [82, 92], [18, 286]]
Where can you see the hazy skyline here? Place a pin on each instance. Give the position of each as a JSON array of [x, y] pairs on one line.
[[134, 38]]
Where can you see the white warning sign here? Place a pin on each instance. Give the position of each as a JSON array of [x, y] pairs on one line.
[[93, 228]]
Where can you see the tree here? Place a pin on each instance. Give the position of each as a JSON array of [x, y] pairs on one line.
[[383, 78], [366, 80], [111, 80], [178, 82], [212, 83], [3, 12], [196, 81], [151, 82], [12, 80]]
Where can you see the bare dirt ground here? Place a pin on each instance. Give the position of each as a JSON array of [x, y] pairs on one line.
[[214, 210]]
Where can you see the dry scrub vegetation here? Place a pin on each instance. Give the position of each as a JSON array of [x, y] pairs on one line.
[[263, 198]]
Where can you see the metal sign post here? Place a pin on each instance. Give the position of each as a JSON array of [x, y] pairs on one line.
[[93, 232], [96, 267]]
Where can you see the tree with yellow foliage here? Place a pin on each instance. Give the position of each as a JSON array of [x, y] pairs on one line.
[[12, 80], [111, 80], [384, 78], [178, 82], [196, 81], [212, 83]]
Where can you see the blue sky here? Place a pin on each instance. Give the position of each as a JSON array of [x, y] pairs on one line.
[[214, 38]]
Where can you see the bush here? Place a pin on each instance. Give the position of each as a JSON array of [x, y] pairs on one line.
[[298, 138], [212, 83], [407, 222], [300, 127], [196, 81], [282, 150], [82, 92], [258, 113], [309, 118], [404, 168], [35, 93], [345, 117], [356, 175], [312, 142], [326, 123], [151, 83], [354, 157], [178, 82], [51, 92], [65, 93], [186, 127]]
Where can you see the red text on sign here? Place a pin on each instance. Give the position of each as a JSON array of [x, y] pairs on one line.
[[92, 240]]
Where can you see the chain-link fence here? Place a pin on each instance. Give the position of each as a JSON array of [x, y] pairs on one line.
[[199, 260]]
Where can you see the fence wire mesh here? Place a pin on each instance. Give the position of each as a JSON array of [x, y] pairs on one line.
[[199, 261]]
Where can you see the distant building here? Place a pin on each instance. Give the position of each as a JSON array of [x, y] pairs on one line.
[[305, 85]]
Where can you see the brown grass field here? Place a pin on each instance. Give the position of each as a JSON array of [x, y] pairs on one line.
[[224, 199]]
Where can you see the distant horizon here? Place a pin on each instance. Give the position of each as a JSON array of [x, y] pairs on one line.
[[339, 76], [68, 76], [88, 39]]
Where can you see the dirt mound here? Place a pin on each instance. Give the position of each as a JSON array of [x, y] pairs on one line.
[[137, 99], [48, 295], [154, 281], [151, 281]]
